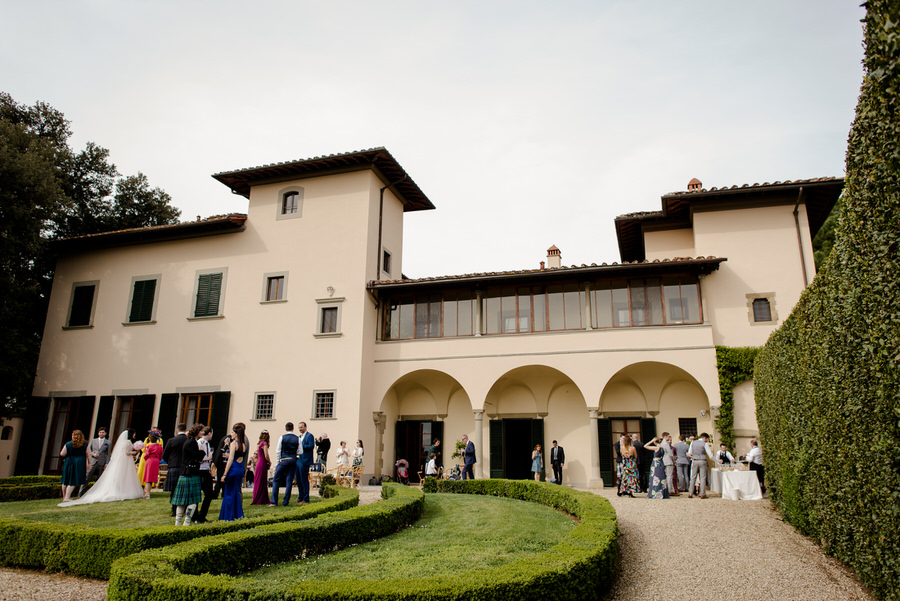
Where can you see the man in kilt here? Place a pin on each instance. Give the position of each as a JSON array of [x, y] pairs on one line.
[[172, 457]]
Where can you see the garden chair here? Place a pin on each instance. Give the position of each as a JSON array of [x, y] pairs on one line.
[[316, 472]]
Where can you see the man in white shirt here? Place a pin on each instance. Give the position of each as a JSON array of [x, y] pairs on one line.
[[754, 457], [698, 452], [723, 457]]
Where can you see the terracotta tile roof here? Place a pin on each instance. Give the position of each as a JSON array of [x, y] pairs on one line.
[[819, 196], [218, 224], [378, 159], [702, 265]]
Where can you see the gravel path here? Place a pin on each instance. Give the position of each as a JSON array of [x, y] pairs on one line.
[[748, 554]]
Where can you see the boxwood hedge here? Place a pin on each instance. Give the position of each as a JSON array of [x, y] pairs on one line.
[[29, 488], [827, 383], [90, 552], [582, 566]]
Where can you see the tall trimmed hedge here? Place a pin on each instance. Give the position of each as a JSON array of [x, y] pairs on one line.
[[828, 381]]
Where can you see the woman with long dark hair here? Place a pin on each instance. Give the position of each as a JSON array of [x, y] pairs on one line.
[[233, 477]]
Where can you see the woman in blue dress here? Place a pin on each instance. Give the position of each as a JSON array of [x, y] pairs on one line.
[[659, 488], [537, 462], [233, 477], [74, 465]]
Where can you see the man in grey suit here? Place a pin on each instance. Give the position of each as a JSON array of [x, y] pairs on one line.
[[682, 462], [669, 462], [98, 454]]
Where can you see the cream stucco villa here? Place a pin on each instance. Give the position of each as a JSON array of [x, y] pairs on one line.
[[298, 311]]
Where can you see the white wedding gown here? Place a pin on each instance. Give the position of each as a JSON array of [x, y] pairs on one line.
[[118, 482]]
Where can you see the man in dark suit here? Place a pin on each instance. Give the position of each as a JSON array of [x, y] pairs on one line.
[[468, 459], [172, 457], [98, 455], [305, 457], [557, 460]]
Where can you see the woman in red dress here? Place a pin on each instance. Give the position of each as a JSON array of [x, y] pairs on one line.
[[153, 451]]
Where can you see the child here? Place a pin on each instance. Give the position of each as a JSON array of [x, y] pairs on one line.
[[430, 468]]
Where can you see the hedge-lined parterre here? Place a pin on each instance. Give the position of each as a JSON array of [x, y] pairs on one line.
[[29, 488], [582, 566], [90, 552]]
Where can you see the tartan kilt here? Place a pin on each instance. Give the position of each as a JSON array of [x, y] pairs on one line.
[[172, 479], [188, 492]]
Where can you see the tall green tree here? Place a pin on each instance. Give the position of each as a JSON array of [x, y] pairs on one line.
[[47, 191]]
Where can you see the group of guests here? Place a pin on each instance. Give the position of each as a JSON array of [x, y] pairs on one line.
[[292, 461], [681, 466], [197, 473], [557, 461]]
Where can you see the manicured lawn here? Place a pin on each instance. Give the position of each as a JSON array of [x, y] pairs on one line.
[[138, 513], [456, 534]]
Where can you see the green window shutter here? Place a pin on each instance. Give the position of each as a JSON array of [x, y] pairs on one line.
[[142, 301], [82, 303], [496, 446], [209, 288], [168, 414], [218, 418], [607, 463]]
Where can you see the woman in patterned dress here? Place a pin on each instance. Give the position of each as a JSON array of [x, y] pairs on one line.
[[659, 486], [629, 483]]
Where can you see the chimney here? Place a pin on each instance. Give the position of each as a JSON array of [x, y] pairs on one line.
[[554, 257], [694, 184]]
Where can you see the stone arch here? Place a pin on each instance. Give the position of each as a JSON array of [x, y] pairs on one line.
[[659, 390], [423, 395], [530, 390]]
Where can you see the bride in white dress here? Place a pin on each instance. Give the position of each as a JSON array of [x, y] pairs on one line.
[[118, 482]]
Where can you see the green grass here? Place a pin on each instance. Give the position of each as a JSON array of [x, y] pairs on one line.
[[456, 534], [137, 513]]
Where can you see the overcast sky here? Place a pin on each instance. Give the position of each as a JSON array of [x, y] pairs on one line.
[[527, 124]]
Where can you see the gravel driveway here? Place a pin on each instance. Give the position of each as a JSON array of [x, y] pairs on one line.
[[747, 552]]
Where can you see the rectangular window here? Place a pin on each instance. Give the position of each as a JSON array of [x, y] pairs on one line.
[[386, 262], [196, 408], [209, 293], [687, 426], [324, 405], [275, 288], [82, 308], [265, 406], [329, 320], [143, 296], [328, 324]]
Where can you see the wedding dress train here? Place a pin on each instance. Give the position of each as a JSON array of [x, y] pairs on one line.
[[118, 482]]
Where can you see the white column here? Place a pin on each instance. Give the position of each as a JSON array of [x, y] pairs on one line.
[[594, 479], [380, 420], [479, 444], [479, 314], [587, 302]]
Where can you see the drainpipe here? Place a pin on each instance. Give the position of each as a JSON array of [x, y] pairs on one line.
[[380, 222], [799, 237]]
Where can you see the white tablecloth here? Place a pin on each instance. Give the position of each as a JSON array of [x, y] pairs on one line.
[[715, 480], [740, 485]]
